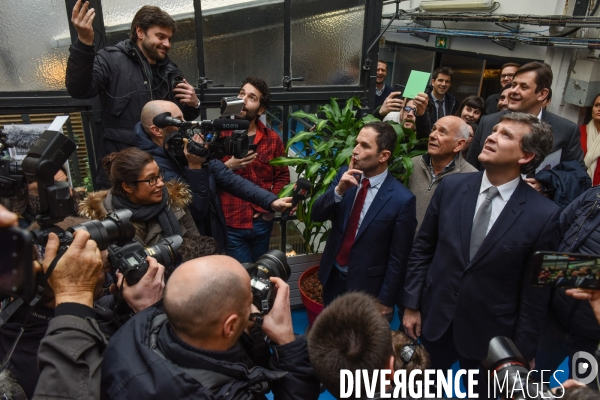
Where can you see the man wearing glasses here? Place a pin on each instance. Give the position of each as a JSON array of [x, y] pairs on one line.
[[506, 76], [446, 140]]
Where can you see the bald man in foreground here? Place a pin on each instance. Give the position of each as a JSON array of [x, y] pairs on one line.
[[205, 178], [198, 347]]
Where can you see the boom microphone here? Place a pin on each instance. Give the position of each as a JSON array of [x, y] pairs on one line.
[[300, 192], [163, 120], [22, 137]]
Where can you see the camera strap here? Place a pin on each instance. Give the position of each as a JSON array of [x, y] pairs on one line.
[[43, 280]]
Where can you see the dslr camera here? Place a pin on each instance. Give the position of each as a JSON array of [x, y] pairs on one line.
[[131, 258], [271, 264], [510, 375], [215, 146]]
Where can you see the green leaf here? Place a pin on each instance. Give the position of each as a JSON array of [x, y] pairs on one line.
[[301, 114], [286, 161], [287, 190], [329, 177], [342, 157], [312, 169], [335, 108], [369, 118], [299, 137]]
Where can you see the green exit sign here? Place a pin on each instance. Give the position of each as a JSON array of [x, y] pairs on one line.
[[441, 42]]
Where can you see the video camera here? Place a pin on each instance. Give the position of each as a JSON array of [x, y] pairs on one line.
[[215, 146], [271, 264], [12, 182]]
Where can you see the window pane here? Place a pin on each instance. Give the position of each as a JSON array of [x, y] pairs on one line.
[[241, 42], [327, 44], [34, 45], [119, 14]]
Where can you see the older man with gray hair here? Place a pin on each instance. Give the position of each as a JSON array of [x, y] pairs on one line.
[[446, 140]]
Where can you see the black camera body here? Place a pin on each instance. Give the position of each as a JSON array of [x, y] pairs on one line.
[[12, 181], [130, 259], [215, 145], [271, 264]]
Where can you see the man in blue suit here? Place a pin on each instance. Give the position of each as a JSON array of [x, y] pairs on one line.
[[373, 223], [468, 275]]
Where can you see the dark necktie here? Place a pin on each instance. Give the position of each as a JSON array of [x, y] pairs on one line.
[[350, 233], [482, 221], [440, 109]]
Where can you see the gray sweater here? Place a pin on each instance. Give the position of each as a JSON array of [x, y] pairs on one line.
[[423, 185]]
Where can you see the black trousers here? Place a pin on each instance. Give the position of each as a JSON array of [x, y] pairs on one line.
[[443, 355]]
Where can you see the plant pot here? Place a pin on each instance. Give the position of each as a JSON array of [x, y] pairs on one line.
[[312, 307]]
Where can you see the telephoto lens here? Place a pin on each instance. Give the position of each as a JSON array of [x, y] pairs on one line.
[[115, 229]]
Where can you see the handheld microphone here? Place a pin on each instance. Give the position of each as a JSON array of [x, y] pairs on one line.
[[163, 120], [300, 192]]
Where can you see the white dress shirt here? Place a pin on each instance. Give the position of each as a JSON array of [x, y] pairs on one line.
[[498, 202], [375, 183]]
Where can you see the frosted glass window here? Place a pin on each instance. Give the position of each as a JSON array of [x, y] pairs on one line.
[[243, 40], [34, 45], [327, 44], [119, 12]]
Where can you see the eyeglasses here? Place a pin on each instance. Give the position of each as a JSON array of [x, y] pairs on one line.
[[154, 180], [409, 109], [507, 76]]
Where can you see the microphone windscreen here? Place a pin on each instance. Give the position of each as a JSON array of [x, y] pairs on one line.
[[161, 120], [22, 137]]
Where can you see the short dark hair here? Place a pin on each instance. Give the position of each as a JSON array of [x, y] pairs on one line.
[[349, 334], [263, 88], [383, 62], [510, 64], [543, 74], [473, 102], [125, 167], [442, 70], [538, 141], [505, 87], [420, 359], [386, 136], [149, 16]]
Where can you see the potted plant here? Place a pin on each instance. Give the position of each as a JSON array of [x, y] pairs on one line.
[[327, 148]]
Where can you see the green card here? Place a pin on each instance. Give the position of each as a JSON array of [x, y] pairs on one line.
[[417, 82]]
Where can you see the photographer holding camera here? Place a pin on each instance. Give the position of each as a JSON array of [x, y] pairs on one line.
[[198, 348], [205, 179]]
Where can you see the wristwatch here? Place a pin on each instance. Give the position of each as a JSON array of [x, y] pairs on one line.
[[198, 106]]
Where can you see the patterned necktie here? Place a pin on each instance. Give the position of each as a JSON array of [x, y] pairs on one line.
[[440, 109], [350, 233], [482, 221]]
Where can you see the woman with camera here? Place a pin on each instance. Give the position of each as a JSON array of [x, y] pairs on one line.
[[159, 208]]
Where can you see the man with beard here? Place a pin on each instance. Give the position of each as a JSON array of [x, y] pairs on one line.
[[127, 76], [248, 225]]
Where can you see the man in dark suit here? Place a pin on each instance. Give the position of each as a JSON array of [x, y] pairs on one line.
[[530, 88], [372, 227], [468, 274]]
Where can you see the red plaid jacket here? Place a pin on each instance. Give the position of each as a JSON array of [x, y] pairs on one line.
[[239, 213]]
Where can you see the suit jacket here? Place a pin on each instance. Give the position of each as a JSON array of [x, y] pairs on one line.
[[450, 106], [378, 257], [566, 137], [489, 295]]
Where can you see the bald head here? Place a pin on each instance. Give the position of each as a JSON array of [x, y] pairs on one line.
[[448, 137], [151, 110], [202, 293], [456, 126]]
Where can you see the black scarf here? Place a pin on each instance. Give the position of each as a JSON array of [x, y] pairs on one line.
[[167, 220]]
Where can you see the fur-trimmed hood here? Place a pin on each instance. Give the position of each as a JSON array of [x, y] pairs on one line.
[[95, 205]]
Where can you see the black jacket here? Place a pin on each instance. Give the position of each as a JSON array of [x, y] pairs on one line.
[[566, 181], [206, 206], [566, 137], [146, 360], [580, 230], [123, 79], [450, 106]]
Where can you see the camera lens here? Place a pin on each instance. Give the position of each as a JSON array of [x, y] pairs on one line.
[[274, 264], [166, 252], [115, 229]]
